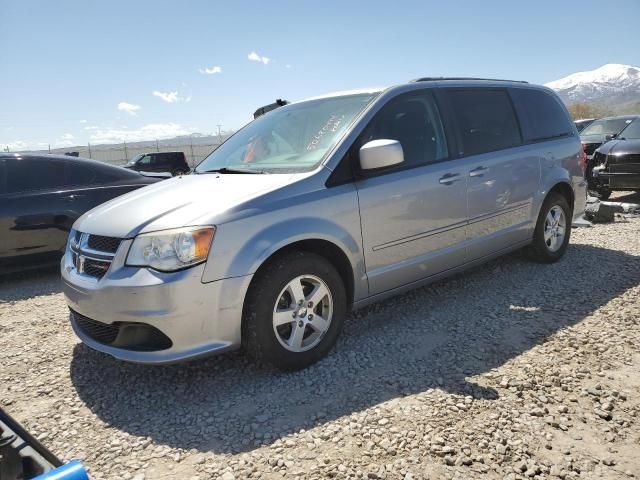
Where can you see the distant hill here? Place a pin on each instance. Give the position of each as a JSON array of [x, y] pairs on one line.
[[612, 88]]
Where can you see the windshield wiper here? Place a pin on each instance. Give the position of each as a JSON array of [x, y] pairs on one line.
[[231, 170]]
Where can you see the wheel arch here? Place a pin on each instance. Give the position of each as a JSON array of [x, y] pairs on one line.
[[563, 188], [324, 248]]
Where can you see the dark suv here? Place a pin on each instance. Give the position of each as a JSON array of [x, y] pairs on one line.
[[173, 162]]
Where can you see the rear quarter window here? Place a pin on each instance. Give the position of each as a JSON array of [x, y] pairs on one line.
[[485, 119], [79, 174], [542, 117]]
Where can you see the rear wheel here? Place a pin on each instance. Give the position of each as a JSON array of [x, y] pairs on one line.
[[294, 311], [553, 229]]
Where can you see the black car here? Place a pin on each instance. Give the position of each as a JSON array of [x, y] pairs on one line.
[[616, 164], [42, 195], [172, 162], [603, 130], [583, 123]]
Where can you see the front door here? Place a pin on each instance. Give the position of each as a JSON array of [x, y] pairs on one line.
[[413, 216]]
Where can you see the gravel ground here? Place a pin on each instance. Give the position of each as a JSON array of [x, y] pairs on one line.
[[512, 370]]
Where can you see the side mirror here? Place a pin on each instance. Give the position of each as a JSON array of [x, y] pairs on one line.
[[380, 154], [610, 137]]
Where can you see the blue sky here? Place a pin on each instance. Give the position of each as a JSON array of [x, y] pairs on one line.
[[75, 71]]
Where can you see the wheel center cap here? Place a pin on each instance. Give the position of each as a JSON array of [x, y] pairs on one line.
[[302, 312]]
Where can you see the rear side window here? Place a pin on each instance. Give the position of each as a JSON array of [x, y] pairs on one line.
[[541, 115], [485, 119], [77, 174], [30, 174]]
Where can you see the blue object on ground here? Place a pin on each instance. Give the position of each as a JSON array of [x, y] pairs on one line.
[[70, 471]]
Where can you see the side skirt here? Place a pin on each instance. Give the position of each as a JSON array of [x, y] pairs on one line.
[[438, 276]]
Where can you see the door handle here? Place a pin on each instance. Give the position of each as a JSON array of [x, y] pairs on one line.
[[478, 172], [449, 178]]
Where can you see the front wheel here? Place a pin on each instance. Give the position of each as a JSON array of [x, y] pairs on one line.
[[553, 229], [294, 311]]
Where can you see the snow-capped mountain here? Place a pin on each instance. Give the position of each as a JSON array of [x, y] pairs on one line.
[[613, 82]]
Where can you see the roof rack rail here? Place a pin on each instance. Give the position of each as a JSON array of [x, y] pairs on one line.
[[435, 79]]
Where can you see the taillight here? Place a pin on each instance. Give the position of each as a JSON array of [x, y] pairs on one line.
[[583, 159]]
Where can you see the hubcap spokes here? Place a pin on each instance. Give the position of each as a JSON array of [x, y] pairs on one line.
[[554, 228], [302, 313]]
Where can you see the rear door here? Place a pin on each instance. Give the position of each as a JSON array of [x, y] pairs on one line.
[[502, 175], [33, 210], [413, 215]]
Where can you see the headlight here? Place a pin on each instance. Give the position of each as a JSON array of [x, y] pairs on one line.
[[171, 250]]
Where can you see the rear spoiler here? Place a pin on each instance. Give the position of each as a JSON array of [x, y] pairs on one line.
[[267, 108]]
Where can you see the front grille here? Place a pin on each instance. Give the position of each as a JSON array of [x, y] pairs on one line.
[[95, 268], [135, 336], [103, 244], [92, 254]]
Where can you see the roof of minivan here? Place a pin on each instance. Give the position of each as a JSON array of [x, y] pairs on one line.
[[439, 81]]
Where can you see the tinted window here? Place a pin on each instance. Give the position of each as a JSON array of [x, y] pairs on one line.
[[632, 131], [485, 119], [28, 174], [146, 160], [541, 115], [607, 126], [413, 120], [77, 173], [3, 176]]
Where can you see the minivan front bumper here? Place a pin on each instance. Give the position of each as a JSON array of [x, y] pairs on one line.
[[198, 318]]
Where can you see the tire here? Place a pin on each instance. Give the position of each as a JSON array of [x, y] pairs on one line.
[[268, 320], [545, 249]]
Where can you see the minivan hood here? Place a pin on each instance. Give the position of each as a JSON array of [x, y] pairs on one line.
[[179, 201]]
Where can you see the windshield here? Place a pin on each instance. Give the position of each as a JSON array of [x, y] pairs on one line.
[[135, 159], [606, 126], [631, 132], [289, 139]]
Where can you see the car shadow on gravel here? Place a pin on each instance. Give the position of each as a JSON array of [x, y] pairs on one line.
[[30, 283], [433, 337]]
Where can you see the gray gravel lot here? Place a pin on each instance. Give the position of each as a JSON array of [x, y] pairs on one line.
[[511, 370]]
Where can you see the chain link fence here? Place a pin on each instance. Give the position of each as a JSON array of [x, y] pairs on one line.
[[195, 149]]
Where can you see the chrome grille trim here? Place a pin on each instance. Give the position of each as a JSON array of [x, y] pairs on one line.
[[84, 256]]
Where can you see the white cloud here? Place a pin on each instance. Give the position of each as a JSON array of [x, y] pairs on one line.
[[212, 70], [146, 132], [287, 66], [91, 127], [83, 121], [171, 97], [254, 57], [128, 107], [66, 140], [14, 146]]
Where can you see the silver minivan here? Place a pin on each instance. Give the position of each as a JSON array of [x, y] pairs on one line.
[[320, 207]]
